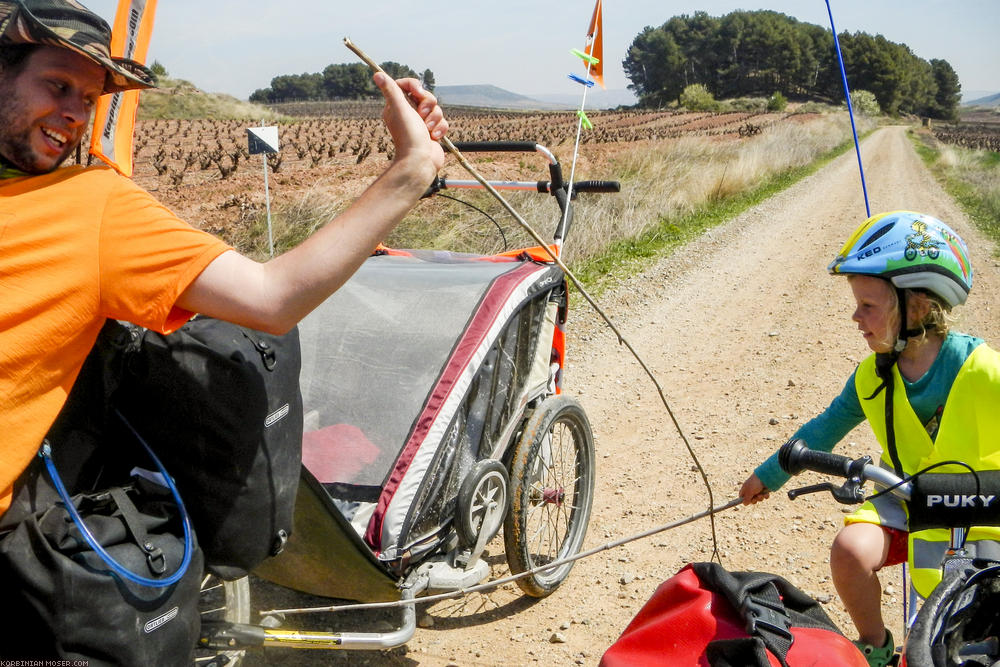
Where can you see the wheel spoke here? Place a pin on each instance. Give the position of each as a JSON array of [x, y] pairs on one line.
[[554, 483]]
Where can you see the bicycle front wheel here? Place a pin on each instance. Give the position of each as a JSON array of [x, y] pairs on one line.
[[552, 489]]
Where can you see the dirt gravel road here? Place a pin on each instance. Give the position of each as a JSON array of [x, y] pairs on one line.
[[749, 337]]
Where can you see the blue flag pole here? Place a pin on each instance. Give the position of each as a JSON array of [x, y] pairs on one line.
[[850, 109]]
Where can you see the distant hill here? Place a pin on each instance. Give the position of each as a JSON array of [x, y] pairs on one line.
[[992, 100], [969, 95], [597, 98], [177, 98], [490, 96], [486, 95]]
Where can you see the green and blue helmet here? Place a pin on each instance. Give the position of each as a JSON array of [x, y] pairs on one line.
[[912, 251]]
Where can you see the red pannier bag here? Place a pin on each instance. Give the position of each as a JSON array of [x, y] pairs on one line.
[[707, 616]]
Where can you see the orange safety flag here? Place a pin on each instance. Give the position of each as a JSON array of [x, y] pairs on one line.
[[594, 48], [114, 119]]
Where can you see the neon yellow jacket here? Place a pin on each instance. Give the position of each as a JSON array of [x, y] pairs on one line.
[[969, 431]]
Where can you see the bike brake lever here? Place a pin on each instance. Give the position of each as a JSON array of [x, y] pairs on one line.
[[850, 493], [435, 187], [814, 488]]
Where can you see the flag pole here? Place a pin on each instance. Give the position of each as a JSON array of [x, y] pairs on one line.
[[572, 167], [589, 56]]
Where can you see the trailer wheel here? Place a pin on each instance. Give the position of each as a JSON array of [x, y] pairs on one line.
[[482, 501], [552, 489], [223, 601]]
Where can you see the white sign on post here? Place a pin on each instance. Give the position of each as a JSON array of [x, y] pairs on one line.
[[264, 140]]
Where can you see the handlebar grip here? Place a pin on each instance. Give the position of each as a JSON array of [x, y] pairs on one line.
[[496, 146], [943, 500], [597, 186], [794, 457]]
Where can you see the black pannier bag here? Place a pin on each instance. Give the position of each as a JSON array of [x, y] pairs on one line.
[[62, 600], [221, 407]]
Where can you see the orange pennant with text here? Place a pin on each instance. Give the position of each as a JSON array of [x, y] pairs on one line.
[[114, 119], [594, 49]]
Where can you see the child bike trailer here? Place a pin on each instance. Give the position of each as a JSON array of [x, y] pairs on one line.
[[434, 416]]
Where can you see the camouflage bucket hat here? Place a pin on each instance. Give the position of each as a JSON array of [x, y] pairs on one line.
[[70, 25]]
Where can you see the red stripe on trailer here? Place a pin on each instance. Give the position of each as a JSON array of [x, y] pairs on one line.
[[485, 316]]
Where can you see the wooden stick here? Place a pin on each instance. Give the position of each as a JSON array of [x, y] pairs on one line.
[[446, 142], [450, 147]]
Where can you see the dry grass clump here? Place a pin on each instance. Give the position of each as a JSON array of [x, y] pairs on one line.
[[971, 176], [660, 182], [291, 223], [682, 176]]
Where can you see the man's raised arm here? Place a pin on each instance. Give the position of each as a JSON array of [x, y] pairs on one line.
[[275, 295]]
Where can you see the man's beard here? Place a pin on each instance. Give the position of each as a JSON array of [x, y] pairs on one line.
[[15, 144]]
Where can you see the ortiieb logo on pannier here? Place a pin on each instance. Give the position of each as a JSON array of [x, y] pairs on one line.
[[276, 416], [160, 621]]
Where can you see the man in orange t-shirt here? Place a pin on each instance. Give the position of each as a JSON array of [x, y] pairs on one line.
[[80, 245]]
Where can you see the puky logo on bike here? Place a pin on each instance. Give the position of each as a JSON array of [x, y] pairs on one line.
[[959, 500]]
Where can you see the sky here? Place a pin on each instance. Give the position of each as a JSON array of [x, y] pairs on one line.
[[238, 46]]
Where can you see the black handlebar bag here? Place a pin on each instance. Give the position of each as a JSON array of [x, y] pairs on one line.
[[62, 598]]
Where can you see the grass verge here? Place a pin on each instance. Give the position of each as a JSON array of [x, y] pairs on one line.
[[627, 256], [972, 177]]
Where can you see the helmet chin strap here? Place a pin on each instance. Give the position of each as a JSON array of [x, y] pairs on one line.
[[904, 334], [8, 170], [884, 361]]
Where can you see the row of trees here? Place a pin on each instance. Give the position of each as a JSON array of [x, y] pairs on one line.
[[336, 82], [758, 53]]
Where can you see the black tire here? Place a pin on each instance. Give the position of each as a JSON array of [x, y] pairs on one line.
[[485, 485], [552, 489], [223, 601], [959, 621]]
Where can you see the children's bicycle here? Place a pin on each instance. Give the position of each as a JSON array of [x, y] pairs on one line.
[[959, 622]]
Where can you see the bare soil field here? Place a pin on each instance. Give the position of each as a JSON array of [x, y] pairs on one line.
[[201, 169], [749, 337]]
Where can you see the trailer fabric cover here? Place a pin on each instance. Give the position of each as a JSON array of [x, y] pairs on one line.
[[387, 363]]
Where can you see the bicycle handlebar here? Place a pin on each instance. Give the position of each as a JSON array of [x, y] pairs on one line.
[[528, 186], [597, 186], [496, 146], [564, 193], [938, 500], [795, 457]]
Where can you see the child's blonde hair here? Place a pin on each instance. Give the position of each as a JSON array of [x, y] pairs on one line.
[[938, 319]]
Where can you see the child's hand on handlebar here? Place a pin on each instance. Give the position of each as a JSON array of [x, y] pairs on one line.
[[753, 490]]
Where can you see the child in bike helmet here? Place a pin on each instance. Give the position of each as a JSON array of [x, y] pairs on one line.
[[929, 394]]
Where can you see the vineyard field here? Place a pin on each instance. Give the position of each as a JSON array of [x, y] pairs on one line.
[[202, 168], [979, 130]]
